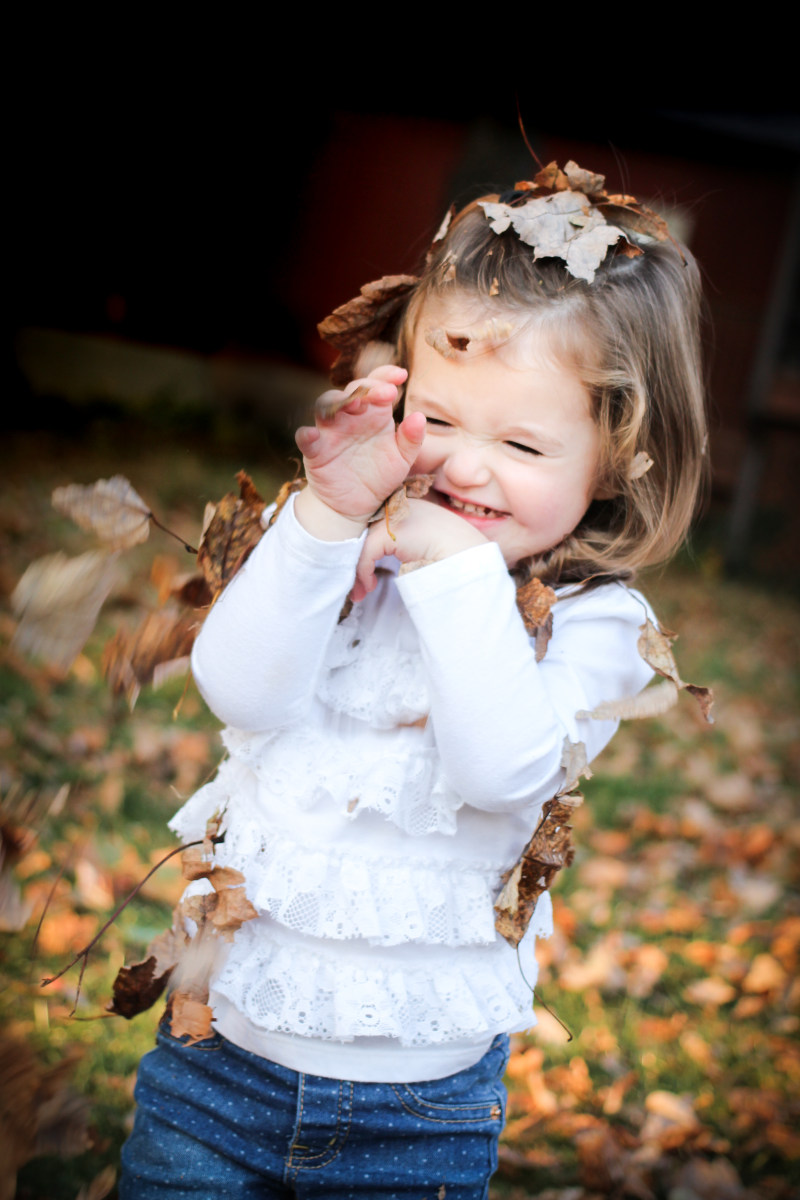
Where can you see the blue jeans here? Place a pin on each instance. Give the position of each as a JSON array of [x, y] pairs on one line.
[[216, 1121]]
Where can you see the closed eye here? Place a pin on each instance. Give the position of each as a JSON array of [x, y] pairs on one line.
[[526, 449], [437, 421]]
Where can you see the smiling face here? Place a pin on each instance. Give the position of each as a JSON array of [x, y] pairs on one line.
[[510, 440]]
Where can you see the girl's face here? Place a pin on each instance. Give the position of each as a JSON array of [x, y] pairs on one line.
[[510, 440]]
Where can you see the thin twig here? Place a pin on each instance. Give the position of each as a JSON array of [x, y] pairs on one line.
[[84, 953], [172, 533]]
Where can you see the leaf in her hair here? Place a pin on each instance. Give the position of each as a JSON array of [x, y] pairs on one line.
[[563, 225], [584, 181], [363, 319], [546, 853], [534, 601], [233, 531], [634, 216], [654, 646], [111, 508]]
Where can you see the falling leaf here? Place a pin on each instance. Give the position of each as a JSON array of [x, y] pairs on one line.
[[130, 660], [58, 600], [654, 647], [574, 762], [546, 853], [138, 986], [651, 702], [111, 508], [364, 319], [534, 601], [232, 533]]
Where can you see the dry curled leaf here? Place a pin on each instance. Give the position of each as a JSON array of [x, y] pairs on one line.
[[651, 702], [546, 853], [231, 534], [395, 507], [58, 600], [654, 646], [138, 986], [563, 225], [364, 319], [575, 764], [111, 508], [131, 660], [534, 601]]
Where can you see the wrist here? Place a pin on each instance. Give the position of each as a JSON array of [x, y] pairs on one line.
[[323, 522]]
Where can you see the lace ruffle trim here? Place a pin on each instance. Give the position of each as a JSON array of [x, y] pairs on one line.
[[309, 767], [333, 894], [293, 989]]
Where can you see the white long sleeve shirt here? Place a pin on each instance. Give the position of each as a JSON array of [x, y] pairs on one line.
[[383, 772]]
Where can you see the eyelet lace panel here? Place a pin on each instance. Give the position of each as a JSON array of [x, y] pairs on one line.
[[399, 777], [296, 987]]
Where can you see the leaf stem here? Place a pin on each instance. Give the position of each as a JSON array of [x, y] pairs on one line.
[[84, 953], [172, 533]]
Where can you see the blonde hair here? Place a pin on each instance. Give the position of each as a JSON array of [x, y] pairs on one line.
[[632, 335]]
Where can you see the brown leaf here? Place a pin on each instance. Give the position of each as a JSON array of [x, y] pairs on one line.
[[232, 910], [546, 853], [534, 601], [395, 507], [654, 647], [190, 1017], [138, 986], [232, 533], [573, 760], [58, 600], [131, 659], [364, 319], [194, 592], [111, 508], [648, 703]]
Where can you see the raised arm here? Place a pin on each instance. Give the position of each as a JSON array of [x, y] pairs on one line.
[[499, 717]]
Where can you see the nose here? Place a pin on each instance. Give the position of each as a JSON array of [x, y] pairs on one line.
[[466, 465]]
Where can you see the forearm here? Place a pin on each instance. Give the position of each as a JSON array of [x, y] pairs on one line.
[[500, 718], [258, 656]]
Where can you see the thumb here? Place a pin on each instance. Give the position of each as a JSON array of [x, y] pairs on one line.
[[411, 435]]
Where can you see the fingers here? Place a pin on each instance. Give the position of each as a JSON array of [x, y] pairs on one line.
[[379, 387]]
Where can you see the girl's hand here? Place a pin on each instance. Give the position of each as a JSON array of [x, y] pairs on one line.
[[426, 533], [356, 457]]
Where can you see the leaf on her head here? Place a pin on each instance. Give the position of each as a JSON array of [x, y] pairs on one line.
[[364, 319], [534, 601], [651, 702], [563, 225], [231, 534], [584, 181], [546, 853], [111, 508], [550, 176], [654, 647], [58, 600], [130, 659], [626, 211]]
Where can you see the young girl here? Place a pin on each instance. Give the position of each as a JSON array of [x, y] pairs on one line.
[[386, 767]]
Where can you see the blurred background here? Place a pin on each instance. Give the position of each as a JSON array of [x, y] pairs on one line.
[[177, 238]]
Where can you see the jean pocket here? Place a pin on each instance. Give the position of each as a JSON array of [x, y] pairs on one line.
[[166, 1037], [446, 1109]]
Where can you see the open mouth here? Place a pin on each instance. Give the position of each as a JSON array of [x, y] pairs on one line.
[[471, 510]]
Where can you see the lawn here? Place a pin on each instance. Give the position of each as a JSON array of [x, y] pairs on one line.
[[674, 962]]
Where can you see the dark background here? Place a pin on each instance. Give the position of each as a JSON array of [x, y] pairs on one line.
[[226, 216]]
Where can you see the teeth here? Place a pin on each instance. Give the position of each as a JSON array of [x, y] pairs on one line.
[[477, 510]]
